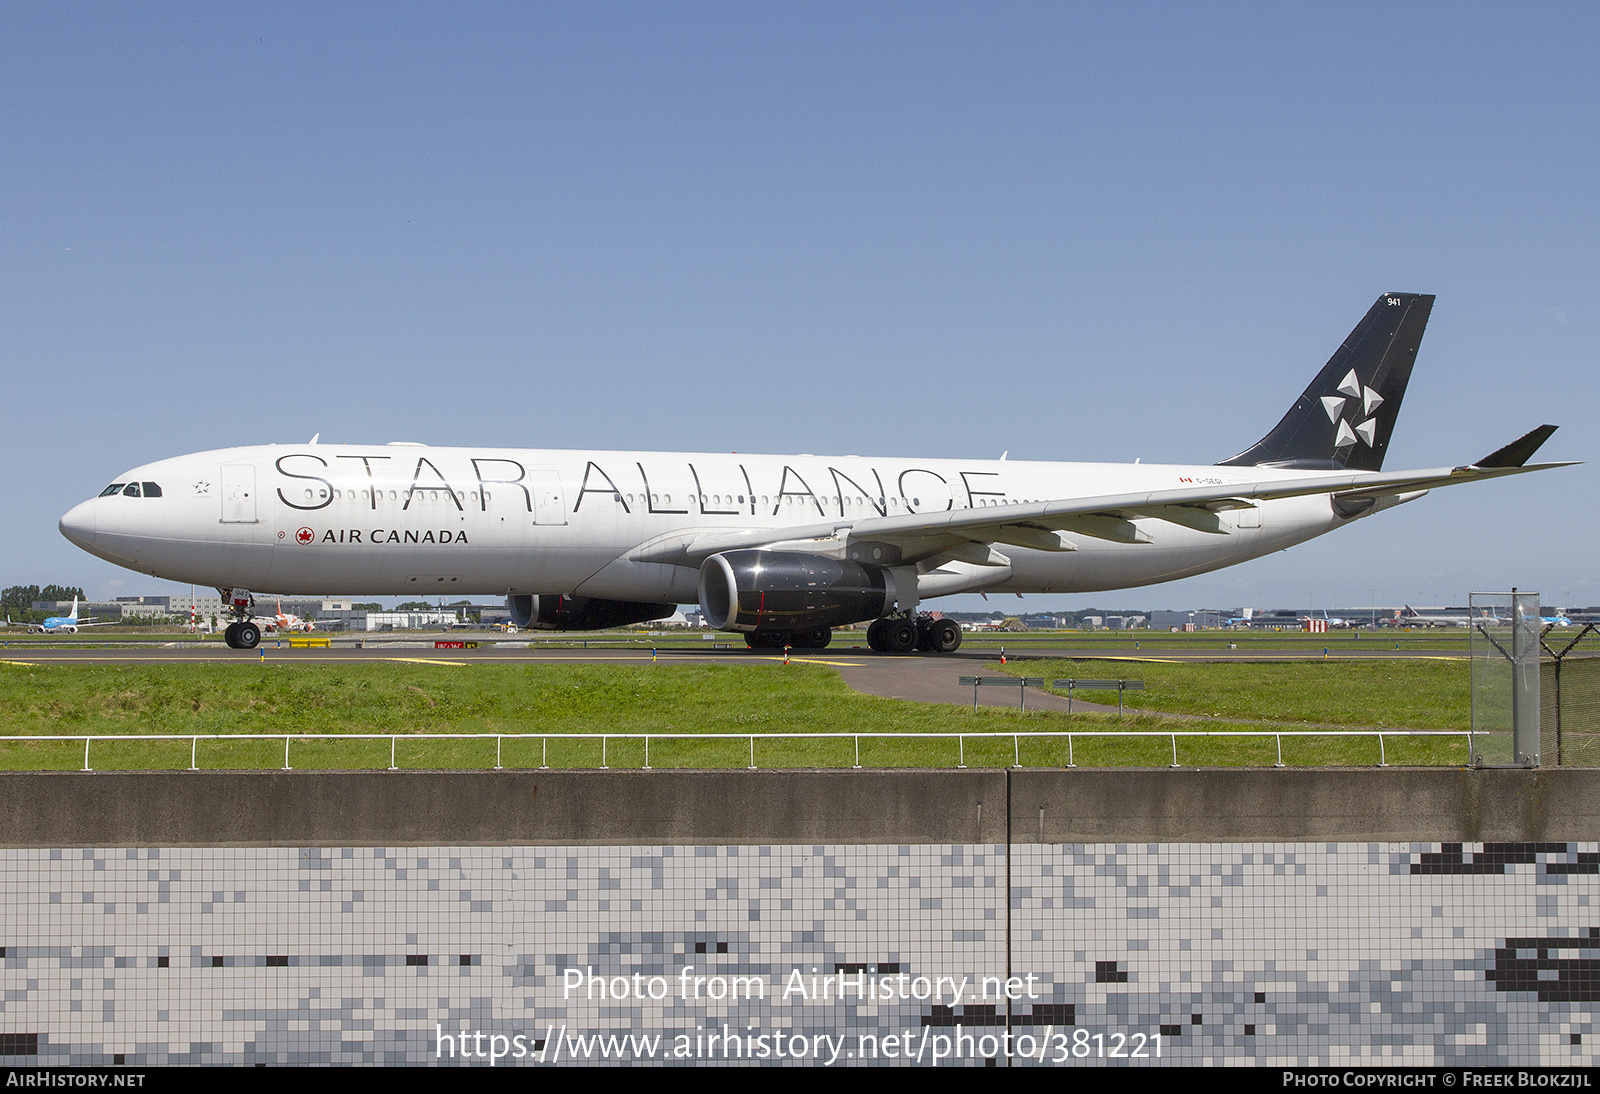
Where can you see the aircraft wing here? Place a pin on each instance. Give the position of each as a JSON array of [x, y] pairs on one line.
[[964, 534], [1111, 517]]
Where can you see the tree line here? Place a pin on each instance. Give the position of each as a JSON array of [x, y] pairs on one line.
[[17, 601]]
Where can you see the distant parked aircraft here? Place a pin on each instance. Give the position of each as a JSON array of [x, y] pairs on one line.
[[62, 624], [285, 621], [1447, 617]]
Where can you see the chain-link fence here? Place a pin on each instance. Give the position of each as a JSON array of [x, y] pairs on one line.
[[1569, 696]]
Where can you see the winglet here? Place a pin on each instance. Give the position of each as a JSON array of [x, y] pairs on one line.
[[1516, 453]]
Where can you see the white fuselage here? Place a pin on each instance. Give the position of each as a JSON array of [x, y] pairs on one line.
[[399, 519]]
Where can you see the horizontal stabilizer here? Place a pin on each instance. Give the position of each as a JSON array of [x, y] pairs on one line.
[[1518, 451]]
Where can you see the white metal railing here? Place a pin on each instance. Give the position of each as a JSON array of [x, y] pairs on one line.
[[605, 739]]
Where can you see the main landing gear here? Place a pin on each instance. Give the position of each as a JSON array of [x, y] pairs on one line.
[[815, 638], [895, 634], [903, 635]]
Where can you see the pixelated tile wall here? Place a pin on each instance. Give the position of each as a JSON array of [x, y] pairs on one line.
[[1328, 954]]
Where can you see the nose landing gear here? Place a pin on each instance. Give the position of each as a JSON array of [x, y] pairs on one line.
[[242, 636], [243, 633]]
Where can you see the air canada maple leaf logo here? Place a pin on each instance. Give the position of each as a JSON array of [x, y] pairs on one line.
[[305, 535]]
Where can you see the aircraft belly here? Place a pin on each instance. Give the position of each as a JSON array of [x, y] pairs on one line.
[[623, 579], [197, 562], [1114, 566]]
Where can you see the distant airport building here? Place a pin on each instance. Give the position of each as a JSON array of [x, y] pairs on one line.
[[1201, 620], [155, 607], [361, 619]]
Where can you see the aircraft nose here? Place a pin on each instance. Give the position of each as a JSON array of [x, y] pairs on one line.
[[79, 525]]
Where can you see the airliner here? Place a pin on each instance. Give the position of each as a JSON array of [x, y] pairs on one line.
[[288, 621], [62, 624], [781, 549], [1445, 617]]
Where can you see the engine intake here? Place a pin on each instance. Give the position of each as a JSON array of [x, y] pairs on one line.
[[581, 613], [788, 591]]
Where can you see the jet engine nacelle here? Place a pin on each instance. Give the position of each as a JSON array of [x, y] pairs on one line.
[[581, 613], [788, 591]]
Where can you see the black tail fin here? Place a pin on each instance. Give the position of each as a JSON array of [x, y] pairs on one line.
[[1343, 420]]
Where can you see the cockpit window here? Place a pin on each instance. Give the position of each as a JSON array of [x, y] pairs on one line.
[[152, 490], [114, 488], [131, 490]]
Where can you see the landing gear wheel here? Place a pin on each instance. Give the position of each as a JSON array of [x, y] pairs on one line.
[[945, 635], [231, 636], [817, 638], [901, 635], [875, 638], [248, 636]]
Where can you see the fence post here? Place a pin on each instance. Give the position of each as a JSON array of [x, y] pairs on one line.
[[1557, 659], [1558, 710]]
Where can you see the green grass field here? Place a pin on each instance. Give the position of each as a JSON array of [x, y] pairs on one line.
[[412, 699], [1412, 693]]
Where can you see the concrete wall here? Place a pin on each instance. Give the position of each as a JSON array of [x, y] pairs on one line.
[[129, 809]]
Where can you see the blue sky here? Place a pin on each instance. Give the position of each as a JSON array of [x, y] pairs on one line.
[[1074, 232]]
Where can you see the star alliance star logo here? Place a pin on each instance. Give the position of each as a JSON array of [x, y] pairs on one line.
[[202, 489], [1368, 401]]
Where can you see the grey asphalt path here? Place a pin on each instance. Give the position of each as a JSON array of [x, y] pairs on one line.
[[931, 678]]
